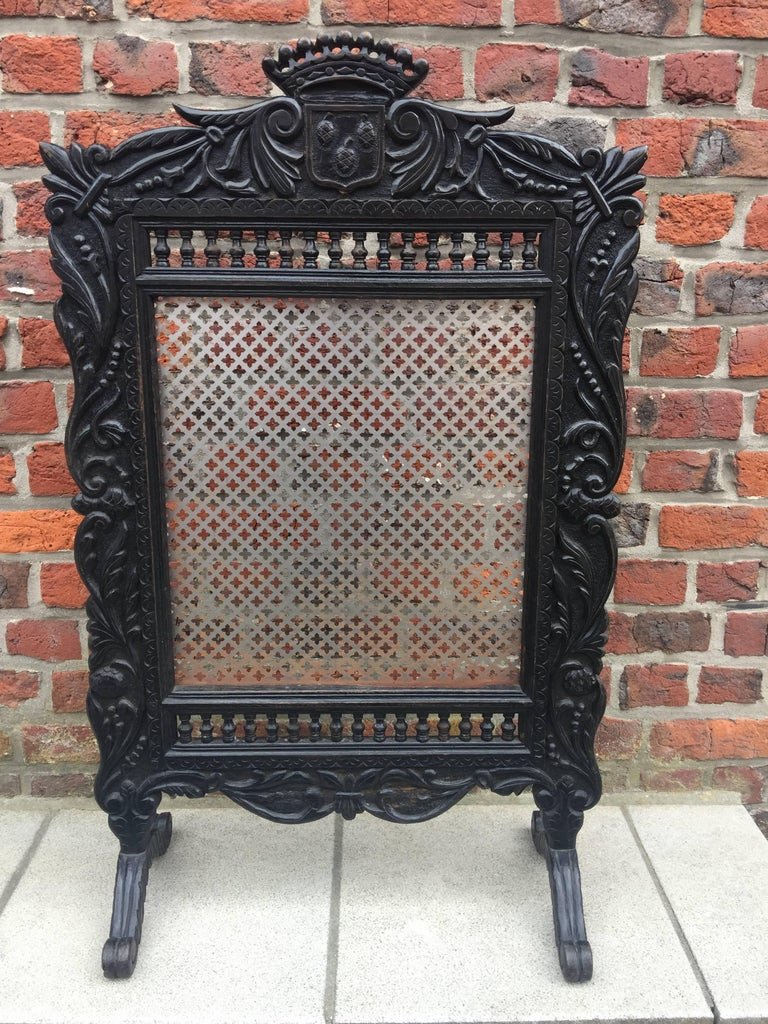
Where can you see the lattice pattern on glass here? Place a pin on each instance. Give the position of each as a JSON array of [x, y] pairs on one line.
[[345, 488]]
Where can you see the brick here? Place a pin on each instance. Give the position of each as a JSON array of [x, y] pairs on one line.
[[45, 639], [27, 407], [48, 472], [719, 685], [622, 485], [3, 329], [726, 581], [61, 586], [638, 17], [645, 581], [746, 634], [277, 11], [47, 64], [751, 474], [110, 127], [631, 525], [679, 351], [741, 778], [620, 639], [743, 19], [703, 76], [7, 472], [445, 80], [756, 227], [626, 352], [659, 286], [30, 208], [41, 344], [732, 288], [10, 785], [132, 66], [41, 529], [694, 219], [698, 146], [69, 689], [600, 79], [702, 527], [709, 739], [14, 578], [28, 277], [653, 412], [21, 132], [679, 780], [673, 632], [16, 687], [456, 13], [58, 744], [761, 413], [70, 784], [618, 740], [86, 10], [760, 94], [748, 355], [228, 69], [653, 686], [516, 73]]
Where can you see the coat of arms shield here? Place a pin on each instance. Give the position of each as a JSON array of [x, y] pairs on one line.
[[345, 146]]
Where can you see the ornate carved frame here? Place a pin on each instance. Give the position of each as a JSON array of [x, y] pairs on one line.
[[424, 164]]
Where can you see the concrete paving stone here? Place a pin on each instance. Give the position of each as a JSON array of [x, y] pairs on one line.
[[712, 863], [16, 834], [450, 921], [235, 928]]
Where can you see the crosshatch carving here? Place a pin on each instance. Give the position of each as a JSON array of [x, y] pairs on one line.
[[348, 414]]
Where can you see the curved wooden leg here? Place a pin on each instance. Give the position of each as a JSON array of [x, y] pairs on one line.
[[538, 834], [118, 958]]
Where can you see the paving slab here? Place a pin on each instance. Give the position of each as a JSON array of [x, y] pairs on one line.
[[235, 928], [17, 832], [712, 863], [450, 921]]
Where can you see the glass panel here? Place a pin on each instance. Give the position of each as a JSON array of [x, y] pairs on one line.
[[345, 488]]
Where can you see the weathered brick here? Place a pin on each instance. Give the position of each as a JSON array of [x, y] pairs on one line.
[[228, 68], [110, 127], [21, 132], [61, 586], [48, 64], [69, 784], [659, 286], [631, 525], [639, 17], [445, 80], [748, 355], [672, 632], [27, 277], [68, 690], [27, 407], [722, 685], [30, 208], [698, 146], [48, 472], [702, 527], [751, 473], [132, 66], [600, 79], [7, 472], [741, 778], [401, 12], [41, 529], [732, 288], [756, 227], [653, 686], [516, 73], [58, 744], [743, 19], [14, 577], [726, 581], [85, 10], [709, 739], [646, 581], [278, 11], [678, 780], [45, 639], [679, 351], [746, 634], [694, 219], [703, 76], [41, 344], [760, 94], [618, 740], [653, 412], [16, 687], [10, 785], [622, 485], [761, 413], [3, 330]]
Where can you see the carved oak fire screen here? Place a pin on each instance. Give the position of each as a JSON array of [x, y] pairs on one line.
[[348, 414]]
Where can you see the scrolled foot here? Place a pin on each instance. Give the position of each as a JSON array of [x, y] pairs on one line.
[[575, 960], [568, 913], [538, 834], [118, 958]]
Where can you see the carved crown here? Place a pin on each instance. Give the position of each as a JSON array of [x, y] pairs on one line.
[[358, 60]]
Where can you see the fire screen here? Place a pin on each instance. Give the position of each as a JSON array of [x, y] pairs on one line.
[[347, 416]]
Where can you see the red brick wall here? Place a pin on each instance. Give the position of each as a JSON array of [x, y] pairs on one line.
[[687, 77]]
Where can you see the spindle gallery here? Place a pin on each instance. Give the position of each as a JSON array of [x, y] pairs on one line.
[[348, 414]]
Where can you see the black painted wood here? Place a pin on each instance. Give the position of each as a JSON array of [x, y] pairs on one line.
[[212, 208]]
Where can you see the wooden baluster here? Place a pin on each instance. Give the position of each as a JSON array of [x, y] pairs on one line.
[[311, 251], [443, 726], [212, 250], [162, 249], [505, 251], [250, 728], [293, 726], [236, 250], [206, 729], [359, 253], [336, 726], [186, 249], [357, 726], [271, 727], [335, 251], [433, 251], [530, 255], [379, 727], [401, 727], [314, 726], [184, 729], [408, 253], [465, 727], [457, 250], [261, 249], [383, 253], [508, 727], [481, 252], [422, 729], [486, 729], [285, 251], [228, 729]]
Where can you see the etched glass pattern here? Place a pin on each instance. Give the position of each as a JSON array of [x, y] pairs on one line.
[[345, 485]]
